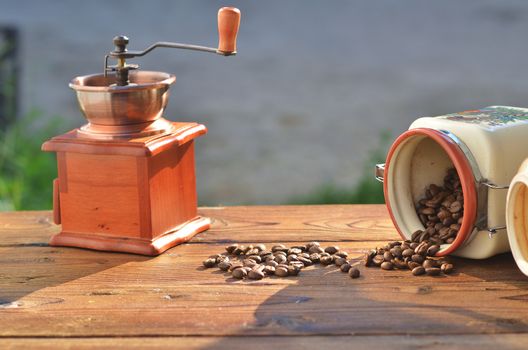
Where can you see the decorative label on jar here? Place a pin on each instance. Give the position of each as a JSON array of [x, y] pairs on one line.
[[491, 117]]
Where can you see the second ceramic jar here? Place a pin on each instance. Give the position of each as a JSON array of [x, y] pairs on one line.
[[485, 146]]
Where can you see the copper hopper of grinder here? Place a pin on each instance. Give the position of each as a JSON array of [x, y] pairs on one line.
[[124, 102]]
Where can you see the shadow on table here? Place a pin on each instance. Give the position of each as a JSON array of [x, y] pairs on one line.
[[29, 268], [325, 301]]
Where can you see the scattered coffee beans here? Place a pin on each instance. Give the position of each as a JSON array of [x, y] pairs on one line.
[[353, 272], [255, 262], [407, 255]]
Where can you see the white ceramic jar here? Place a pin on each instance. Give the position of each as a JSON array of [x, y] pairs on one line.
[[485, 146]]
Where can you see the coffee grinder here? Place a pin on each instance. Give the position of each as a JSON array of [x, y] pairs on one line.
[[126, 179]]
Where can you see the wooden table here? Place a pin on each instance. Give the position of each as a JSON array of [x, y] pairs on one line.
[[66, 297]]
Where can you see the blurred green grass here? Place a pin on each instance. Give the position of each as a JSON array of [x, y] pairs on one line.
[[26, 173]]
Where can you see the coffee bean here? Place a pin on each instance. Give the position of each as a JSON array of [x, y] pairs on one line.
[[231, 248], [238, 250], [297, 264], [264, 253], [224, 265], [235, 265], [432, 271], [326, 260], [427, 211], [252, 251], [269, 270], [399, 264], [219, 258], [210, 262], [302, 248], [412, 265], [339, 261], [315, 257], [418, 270], [255, 274], [272, 263], [256, 258], [353, 272], [281, 271], [387, 265], [341, 254], [424, 236], [293, 270], [367, 259], [279, 258], [447, 268], [417, 258], [249, 262], [279, 248], [305, 261], [332, 249], [387, 256], [455, 207], [315, 249], [378, 260], [396, 252], [429, 263], [407, 253], [294, 251], [421, 249], [239, 273], [260, 247], [394, 244], [415, 235], [312, 244], [345, 267], [432, 250], [455, 227], [292, 257]]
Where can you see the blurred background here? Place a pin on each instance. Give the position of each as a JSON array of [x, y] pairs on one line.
[[316, 94]]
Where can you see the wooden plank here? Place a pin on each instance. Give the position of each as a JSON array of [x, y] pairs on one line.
[[67, 292], [242, 224], [467, 342], [73, 292], [287, 223]]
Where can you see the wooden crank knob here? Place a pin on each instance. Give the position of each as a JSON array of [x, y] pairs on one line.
[[228, 23]]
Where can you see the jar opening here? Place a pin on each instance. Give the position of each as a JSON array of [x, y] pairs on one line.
[[418, 158], [517, 219]]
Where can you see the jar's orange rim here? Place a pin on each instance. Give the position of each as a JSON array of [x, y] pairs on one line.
[[465, 173]]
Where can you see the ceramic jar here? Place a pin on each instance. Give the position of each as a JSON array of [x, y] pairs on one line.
[[486, 147]]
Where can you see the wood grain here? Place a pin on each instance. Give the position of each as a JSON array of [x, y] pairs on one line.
[[108, 298]]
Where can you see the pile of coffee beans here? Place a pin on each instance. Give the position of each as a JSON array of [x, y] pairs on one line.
[[407, 255], [256, 262], [441, 211]]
